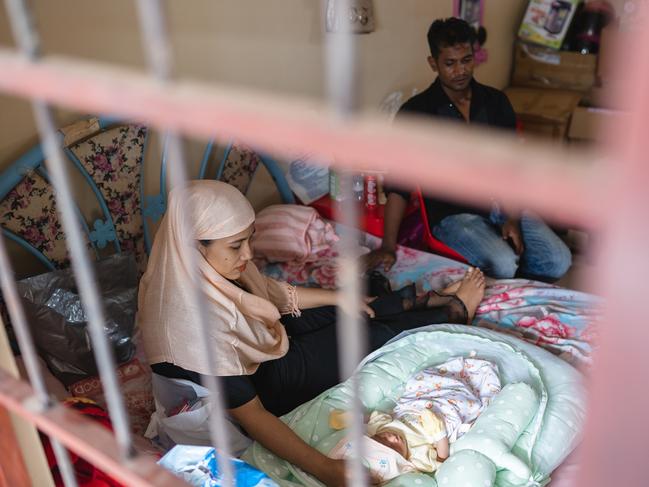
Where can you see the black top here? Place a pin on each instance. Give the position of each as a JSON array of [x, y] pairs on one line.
[[489, 106], [238, 390]]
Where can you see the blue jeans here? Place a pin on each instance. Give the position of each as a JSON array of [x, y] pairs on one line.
[[545, 257]]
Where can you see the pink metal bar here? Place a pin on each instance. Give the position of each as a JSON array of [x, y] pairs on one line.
[[13, 472], [342, 77], [451, 162], [617, 433], [85, 437], [29, 355], [26, 38], [155, 40], [469, 166]]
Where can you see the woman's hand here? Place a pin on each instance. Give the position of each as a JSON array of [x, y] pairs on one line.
[[336, 475], [347, 306], [365, 306], [333, 473], [276, 436], [310, 297]]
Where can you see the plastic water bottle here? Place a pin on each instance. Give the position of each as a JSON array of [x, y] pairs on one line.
[[358, 188], [335, 191], [370, 192]]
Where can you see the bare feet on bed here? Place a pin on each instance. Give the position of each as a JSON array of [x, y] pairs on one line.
[[471, 291], [454, 286], [451, 288]]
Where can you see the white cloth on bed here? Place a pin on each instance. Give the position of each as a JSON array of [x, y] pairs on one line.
[[457, 390], [383, 462]]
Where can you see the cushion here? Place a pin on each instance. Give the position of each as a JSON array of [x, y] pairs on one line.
[[286, 233], [499, 426], [542, 429]]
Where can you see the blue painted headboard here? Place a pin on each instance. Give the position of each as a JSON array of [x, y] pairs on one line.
[[110, 157]]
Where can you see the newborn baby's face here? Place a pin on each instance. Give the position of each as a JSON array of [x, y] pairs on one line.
[[392, 440]]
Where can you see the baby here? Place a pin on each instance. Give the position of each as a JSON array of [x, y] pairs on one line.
[[396, 444], [418, 436], [438, 405]]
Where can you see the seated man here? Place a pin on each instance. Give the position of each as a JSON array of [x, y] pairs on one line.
[[501, 246]]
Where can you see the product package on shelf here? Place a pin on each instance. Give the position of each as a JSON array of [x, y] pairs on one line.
[[546, 22]]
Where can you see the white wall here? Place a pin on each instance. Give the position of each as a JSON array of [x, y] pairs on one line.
[[269, 45]]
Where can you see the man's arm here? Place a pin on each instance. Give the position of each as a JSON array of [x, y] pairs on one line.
[[395, 207], [511, 230], [507, 116], [393, 214]]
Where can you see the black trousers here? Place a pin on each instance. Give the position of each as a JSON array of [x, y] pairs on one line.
[[311, 364]]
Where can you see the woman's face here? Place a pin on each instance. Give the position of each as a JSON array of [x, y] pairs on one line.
[[229, 256]]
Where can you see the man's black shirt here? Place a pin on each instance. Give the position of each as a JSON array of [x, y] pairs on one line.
[[489, 106]]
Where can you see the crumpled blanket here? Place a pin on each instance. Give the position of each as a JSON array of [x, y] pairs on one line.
[[457, 390], [295, 233]]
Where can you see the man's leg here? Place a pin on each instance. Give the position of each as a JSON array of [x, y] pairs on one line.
[[546, 256], [479, 242]]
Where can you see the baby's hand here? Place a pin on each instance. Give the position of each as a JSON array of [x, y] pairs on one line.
[[442, 449]]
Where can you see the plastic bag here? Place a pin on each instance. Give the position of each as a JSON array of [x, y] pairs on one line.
[[198, 465], [169, 427], [307, 179], [59, 323]]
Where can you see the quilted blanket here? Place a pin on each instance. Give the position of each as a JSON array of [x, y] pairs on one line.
[[560, 320]]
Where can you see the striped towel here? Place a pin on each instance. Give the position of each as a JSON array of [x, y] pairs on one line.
[[291, 233]]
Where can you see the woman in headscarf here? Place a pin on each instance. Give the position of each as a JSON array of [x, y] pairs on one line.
[[273, 345]]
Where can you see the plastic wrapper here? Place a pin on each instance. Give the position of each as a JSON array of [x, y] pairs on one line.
[[59, 324], [198, 466]]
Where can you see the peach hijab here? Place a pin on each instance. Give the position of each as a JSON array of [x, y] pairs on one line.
[[243, 327]]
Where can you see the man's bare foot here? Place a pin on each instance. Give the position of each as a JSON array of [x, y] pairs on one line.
[[471, 291]]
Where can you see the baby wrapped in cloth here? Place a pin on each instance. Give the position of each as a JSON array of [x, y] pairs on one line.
[[439, 404]]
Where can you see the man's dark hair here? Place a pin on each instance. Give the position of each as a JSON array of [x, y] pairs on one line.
[[449, 32]]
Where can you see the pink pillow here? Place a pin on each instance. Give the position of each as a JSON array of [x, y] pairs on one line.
[[286, 233]]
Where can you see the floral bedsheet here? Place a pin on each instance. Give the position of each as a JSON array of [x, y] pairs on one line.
[[560, 320]]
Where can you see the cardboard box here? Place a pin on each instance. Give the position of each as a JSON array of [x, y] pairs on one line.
[[586, 122], [546, 22], [597, 96], [543, 112], [541, 67]]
